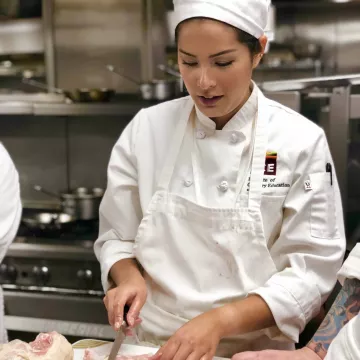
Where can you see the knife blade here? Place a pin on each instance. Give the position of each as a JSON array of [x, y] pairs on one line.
[[120, 336]]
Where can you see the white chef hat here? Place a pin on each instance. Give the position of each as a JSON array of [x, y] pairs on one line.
[[250, 16]]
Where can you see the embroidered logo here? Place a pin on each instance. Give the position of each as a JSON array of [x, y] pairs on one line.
[[270, 163], [307, 185]]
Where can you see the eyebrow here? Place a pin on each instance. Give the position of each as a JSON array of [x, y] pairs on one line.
[[211, 56]]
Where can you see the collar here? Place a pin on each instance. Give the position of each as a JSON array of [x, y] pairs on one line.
[[245, 115]]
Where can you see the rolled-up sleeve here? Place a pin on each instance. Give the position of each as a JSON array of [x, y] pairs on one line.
[[120, 211], [11, 208], [310, 247]]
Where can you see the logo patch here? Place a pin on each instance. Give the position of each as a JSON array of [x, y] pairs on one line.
[[307, 185], [271, 163]]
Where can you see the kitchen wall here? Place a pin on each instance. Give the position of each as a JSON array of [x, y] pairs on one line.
[[336, 27], [57, 151], [88, 34]]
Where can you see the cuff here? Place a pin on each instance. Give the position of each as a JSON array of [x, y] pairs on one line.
[[112, 252], [293, 302], [351, 269]]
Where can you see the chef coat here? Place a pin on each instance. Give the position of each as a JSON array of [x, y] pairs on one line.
[[301, 209], [346, 346], [10, 214]]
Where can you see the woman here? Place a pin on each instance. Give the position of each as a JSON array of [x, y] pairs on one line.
[[219, 222], [10, 214]]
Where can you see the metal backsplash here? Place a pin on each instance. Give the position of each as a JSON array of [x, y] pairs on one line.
[[90, 34], [336, 28]]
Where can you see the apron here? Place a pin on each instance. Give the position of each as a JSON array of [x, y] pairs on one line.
[[196, 258]]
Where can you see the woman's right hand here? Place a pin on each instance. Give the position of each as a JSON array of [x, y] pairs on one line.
[[131, 292]]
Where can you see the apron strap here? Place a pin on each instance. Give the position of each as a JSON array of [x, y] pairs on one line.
[[175, 146], [259, 154]]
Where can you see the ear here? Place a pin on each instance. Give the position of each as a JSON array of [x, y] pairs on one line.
[[263, 41]]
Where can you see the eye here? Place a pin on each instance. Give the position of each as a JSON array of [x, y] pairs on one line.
[[224, 64], [191, 64]]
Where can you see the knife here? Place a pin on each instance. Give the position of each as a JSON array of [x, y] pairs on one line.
[[120, 336]]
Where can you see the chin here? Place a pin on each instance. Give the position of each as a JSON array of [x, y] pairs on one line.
[[211, 112]]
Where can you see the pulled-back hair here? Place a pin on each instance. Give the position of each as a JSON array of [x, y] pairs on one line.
[[252, 43]]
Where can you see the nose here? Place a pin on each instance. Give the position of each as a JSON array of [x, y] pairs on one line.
[[206, 81]]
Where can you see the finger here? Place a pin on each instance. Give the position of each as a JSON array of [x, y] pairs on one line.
[[246, 356], [157, 356], [135, 309], [110, 309], [169, 349], [183, 352], [118, 306], [207, 357], [196, 355]]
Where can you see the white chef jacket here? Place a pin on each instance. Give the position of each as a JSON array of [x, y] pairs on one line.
[[301, 210], [346, 346], [10, 214]]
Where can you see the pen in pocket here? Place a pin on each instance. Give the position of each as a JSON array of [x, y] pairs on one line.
[[329, 170]]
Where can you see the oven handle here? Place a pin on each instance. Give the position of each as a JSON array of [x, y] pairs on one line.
[[52, 290]]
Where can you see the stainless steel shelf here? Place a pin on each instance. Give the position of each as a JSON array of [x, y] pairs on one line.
[[16, 108], [56, 109], [126, 108], [110, 109]]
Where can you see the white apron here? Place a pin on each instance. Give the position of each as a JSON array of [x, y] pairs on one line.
[[197, 258]]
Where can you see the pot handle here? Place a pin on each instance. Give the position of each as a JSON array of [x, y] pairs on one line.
[[49, 193]]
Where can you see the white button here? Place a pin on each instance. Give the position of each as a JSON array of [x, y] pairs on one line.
[[200, 134], [234, 138], [224, 186], [188, 183]]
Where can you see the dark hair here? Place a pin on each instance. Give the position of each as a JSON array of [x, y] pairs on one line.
[[252, 43]]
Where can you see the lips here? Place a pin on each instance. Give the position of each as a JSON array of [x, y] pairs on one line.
[[210, 101]]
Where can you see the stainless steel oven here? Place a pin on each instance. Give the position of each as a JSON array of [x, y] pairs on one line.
[[53, 285]]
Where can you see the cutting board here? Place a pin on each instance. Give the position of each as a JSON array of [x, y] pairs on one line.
[[104, 347]]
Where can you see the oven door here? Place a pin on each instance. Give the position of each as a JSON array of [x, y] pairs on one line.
[[72, 313]]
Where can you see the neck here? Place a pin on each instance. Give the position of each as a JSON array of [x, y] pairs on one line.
[[221, 121]]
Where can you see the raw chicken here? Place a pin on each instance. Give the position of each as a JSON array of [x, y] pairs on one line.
[[49, 346], [92, 354]]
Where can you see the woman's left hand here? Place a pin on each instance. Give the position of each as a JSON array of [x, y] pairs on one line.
[[196, 340]]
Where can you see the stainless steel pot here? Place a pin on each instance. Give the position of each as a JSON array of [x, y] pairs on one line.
[[82, 203], [157, 89], [180, 89]]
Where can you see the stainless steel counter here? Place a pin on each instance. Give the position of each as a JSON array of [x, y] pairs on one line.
[[78, 251]]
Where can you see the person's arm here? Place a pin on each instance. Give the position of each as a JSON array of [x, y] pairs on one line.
[[123, 270], [10, 208], [120, 210], [345, 307]]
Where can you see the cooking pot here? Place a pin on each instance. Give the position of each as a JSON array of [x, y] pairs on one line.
[[82, 203], [77, 95], [157, 89]]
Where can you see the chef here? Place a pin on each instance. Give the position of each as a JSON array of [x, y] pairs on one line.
[[222, 220], [10, 214], [338, 338]]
